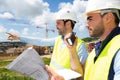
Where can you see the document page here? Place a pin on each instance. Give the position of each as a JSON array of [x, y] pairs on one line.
[[68, 74], [29, 63]]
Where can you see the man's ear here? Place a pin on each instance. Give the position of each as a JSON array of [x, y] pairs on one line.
[[109, 17], [68, 23]]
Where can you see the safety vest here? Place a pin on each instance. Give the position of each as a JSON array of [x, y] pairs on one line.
[[99, 70], [61, 57]]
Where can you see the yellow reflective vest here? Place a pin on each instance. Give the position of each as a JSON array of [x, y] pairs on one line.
[[60, 57], [99, 70]]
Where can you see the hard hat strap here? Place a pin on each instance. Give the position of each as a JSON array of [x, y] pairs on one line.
[[102, 12]]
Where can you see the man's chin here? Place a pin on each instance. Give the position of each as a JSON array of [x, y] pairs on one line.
[[60, 34]]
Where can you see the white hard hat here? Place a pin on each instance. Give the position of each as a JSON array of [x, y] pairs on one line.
[[66, 14], [94, 5]]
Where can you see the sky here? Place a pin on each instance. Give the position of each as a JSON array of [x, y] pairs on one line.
[[31, 18]]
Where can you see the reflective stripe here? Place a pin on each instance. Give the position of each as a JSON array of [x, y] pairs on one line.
[[53, 63]]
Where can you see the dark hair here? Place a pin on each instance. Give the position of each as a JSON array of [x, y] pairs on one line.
[[72, 22], [117, 20]]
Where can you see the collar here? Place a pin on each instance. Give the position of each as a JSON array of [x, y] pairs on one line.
[[114, 32], [102, 44]]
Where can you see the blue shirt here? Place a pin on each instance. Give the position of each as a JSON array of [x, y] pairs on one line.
[[116, 66], [82, 51]]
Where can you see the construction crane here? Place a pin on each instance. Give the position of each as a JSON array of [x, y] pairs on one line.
[[47, 49], [46, 29]]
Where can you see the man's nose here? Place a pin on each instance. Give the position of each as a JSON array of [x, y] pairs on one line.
[[87, 25], [56, 26]]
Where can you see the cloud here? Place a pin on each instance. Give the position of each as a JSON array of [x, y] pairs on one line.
[[38, 13], [6, 15], [2, 29], [25, 31], [77, 6], [36, 10], [14, 31], [24, 8], [41, 20]]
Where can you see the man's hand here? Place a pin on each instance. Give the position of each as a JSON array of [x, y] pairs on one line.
[[70, 47], [12, 36], [53, 75], [74, 60]]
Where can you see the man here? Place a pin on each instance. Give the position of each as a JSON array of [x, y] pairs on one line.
[[62, 57], [103, 62], [102, 21]]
